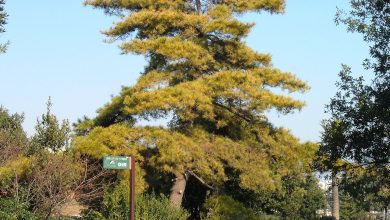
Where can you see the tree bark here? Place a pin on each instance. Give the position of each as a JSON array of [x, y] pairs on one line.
[[335, 197], [199, 7], [177, 190]]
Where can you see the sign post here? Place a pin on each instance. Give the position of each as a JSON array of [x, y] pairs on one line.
[[124, 163], [132, 188]]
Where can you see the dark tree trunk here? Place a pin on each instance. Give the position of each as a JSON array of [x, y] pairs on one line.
[[177, 190], [335, 197]]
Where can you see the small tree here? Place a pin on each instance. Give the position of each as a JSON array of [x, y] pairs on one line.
[[56, 174], [52, 182], [50, 135], [13, 146], [13, 139]]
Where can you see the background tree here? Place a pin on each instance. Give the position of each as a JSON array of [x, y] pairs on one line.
[[371, 18], [330, 158], [358, 131], [14, 166], [13, 146], [50, 135], [56, 174], [201, 72], [3, 21], [41, 180], [363, 106], [13, 139]]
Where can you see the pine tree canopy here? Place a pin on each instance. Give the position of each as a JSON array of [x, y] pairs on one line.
[[199, 66], [201, 72]]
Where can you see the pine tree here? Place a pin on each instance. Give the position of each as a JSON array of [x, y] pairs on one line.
[[217, 88], [3, 21], [50, 135]]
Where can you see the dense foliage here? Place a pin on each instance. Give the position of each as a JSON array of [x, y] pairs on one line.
[[224, 207], [11, 209]]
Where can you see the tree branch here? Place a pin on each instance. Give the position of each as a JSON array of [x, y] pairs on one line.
[[199, 179], [236, 113]]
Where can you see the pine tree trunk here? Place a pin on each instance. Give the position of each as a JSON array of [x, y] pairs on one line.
[[177, 190], [335, 197], [386, 213]]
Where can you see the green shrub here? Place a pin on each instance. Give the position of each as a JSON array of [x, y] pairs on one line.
[[12, 210], [115, 206], [152, 207], [226, 208]]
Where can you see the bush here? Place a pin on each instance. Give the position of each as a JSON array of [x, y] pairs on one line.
[[226, 208], [12, 210], [152, 207], [148, 207]]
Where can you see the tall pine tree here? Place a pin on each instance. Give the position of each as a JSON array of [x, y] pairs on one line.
[[201, 72]]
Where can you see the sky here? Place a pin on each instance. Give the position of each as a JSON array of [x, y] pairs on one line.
[[57, 50]]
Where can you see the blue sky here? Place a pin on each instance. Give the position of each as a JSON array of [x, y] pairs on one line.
[[57, 50]]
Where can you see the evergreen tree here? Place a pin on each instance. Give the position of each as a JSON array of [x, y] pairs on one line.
[[217, 88], [3, 21], [50, 135]]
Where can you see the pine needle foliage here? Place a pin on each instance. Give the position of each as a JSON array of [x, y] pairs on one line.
[[199, 66], [201, 72]]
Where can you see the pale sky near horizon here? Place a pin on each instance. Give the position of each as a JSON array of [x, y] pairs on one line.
[[57, 50]]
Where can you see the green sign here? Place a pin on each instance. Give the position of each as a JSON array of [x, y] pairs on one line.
[[116, 162]]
